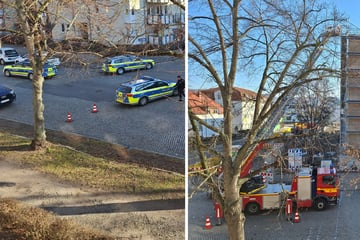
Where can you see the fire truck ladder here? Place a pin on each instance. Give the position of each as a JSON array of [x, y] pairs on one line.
[[280, 110]]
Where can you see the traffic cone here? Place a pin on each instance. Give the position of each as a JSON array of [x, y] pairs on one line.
[[94, 109], [69, 119], [297, 217], [208, 223]]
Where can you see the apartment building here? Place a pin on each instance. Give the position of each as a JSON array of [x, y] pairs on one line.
[[206, 109], [111, 22], [243, 103], [350, 90]]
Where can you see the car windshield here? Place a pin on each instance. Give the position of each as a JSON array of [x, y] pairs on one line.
[[49, 65], [107, 61], [11, 53], [124, 89]]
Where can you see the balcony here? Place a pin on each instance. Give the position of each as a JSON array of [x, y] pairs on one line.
[[158, 19], [161, 40], [157, 1]]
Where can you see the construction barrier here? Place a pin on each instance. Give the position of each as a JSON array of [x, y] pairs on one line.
[[218, 213]]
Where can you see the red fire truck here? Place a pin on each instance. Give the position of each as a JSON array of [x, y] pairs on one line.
[[318, 187]]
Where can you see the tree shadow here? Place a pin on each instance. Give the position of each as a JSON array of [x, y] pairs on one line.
[[20, 148], [7, 184], [140, 206]]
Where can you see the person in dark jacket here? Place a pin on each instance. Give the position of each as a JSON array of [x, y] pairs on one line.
[[180, 84]]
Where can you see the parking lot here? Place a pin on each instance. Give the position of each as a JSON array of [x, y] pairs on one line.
[[157, 127]]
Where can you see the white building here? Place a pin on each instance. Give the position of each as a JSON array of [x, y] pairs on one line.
[[243, 103], [111, 22], [207, 110]]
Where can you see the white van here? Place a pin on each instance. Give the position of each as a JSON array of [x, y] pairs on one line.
[[8, 55]]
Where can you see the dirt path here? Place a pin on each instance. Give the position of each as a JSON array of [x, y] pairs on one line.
[[125, 216]]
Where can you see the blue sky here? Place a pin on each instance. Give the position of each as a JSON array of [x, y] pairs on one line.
[[350, 8]]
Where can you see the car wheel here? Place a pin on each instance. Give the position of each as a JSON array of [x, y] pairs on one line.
[[120, 71], [30, 76], [2, 62], [252, 208], [320, 204], [7, 73], [148, 66], [143, 101]]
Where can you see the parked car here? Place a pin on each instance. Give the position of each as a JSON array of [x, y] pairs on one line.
[[56, 61], [141, 91], [24, 69], [7, 95], [8, 55], [124, 63]]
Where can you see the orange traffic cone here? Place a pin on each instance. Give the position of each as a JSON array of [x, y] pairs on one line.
[[208, 223], [94, 109], [69, 119], [297, 217]]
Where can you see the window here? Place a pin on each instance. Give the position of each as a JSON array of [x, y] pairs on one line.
[[150, 86], [161, 84], [330, 180]]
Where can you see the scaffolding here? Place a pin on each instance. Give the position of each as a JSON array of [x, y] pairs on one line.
[[350, 87]]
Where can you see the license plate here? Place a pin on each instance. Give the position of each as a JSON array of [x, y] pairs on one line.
[[5, 100]]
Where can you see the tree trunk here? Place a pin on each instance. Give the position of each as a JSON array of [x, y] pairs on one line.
[[39, 140], [233, 214]]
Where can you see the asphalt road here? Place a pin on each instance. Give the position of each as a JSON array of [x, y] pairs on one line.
[[157, 127], [339, 222]]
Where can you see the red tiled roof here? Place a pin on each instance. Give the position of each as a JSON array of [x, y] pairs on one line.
[[239, 94], [200, 103]]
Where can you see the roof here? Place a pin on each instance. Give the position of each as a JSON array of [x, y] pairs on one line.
[[200, 103], [239, 94], [136, 82]]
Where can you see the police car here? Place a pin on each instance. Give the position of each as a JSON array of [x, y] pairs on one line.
[[24, 69], [124, 63], [141, 91]]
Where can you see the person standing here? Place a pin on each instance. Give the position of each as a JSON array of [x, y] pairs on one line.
[[180, 84]]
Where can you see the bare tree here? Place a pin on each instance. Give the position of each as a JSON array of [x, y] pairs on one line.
[[284, 43], [315, 104], [32, 25]]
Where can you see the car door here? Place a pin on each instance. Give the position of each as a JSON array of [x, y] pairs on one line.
[[139, 63], [16, 69], [150, 90], [163, 89], [129, 63]]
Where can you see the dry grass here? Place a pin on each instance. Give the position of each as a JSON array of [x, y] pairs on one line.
[[80, 168], [18, 221]]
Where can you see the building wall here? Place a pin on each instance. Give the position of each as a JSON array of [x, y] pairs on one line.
[[243, 112], [350, 91], [126, 22], [111, 22], [213, 119]]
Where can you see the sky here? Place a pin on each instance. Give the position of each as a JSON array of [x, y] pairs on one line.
[[350, 8]]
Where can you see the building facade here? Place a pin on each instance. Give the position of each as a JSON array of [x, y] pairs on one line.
[[111, 22], [243, 104], [350, 90], [207, 110]]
